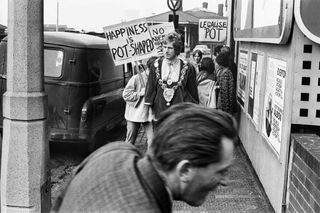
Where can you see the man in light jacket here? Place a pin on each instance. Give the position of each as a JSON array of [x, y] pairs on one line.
[[137, 113]]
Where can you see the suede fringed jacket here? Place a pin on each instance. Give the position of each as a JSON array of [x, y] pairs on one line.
[[186, 92]]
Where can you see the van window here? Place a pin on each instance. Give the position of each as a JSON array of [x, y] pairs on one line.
[[101, 66], [53, 62]]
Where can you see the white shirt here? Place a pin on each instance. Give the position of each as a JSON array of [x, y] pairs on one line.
[[170, 70]]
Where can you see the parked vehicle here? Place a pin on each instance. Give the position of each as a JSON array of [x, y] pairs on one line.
[[84, 87]]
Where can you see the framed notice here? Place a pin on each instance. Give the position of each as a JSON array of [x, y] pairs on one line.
[[254, 87], [242, 76], [274, 102], [213, 30], [130, 41]]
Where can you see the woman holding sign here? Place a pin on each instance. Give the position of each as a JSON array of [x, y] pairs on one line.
[[171, 80]]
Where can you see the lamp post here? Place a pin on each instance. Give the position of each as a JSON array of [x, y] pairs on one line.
[[57, 23], [174, 5]]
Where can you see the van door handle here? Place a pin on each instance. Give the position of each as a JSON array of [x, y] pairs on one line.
[[72, 61], [67, 111]]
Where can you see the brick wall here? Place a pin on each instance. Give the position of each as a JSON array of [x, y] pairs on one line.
[[304, 181]]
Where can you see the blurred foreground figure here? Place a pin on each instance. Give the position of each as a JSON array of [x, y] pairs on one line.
[[191, 151]]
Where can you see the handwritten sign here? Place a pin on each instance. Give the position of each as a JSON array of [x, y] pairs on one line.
[[130, 41], [213, 30], [158, 32]]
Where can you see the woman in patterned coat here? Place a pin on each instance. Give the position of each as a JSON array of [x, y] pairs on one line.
[[226, 95]]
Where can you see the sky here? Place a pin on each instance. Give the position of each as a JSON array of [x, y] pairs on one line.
[[93, 15]]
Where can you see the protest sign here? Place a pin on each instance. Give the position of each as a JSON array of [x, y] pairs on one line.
[[213, 30], [130, 41], [158, 32]]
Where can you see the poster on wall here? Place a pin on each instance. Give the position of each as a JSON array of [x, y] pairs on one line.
[[254, 87], [242, 76], [274, 102]]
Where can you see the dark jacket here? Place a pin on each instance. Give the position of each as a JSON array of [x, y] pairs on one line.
[[187, 92], [226, 100]]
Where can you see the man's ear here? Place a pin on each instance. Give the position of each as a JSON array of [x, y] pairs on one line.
[[185, 171]]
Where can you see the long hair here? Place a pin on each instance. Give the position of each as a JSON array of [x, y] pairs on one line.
[[191, 132], [207, 64], [197, 52]]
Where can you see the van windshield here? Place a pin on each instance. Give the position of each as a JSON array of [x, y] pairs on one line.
[[53, 62]]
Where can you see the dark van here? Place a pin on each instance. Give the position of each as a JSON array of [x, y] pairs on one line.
[[84, 87]]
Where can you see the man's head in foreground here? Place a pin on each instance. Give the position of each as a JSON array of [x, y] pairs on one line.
[[192, 150]]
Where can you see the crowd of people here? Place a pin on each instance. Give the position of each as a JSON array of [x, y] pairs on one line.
[[169, 80], [187, 112]]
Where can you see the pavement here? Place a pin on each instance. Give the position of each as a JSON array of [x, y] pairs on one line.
[[243, 194]]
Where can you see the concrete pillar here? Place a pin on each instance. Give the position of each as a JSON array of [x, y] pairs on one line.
[[25, 175]]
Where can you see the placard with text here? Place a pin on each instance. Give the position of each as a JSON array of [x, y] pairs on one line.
[[213, 30], [158, 32], [130, 41]]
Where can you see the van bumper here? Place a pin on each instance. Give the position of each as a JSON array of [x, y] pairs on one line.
[[69, 137]]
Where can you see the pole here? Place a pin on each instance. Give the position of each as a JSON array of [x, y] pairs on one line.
[[57, 24], [25, 172], [174, 5]]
